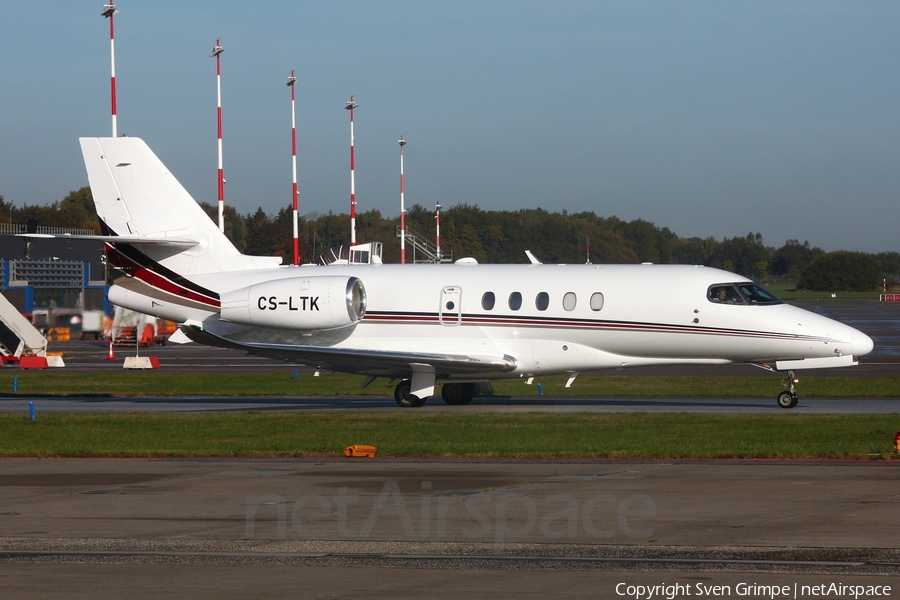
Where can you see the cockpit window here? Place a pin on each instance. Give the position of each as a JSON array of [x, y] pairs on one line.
[[758, 295], [740, 293], [724, 293]]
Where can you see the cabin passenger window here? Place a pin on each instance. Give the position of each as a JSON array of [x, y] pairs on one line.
[[569, 301], [596, 301], [515, 301], [542, 302], [487, 301]]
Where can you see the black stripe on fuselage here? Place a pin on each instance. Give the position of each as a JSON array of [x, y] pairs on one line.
[[145, 262]]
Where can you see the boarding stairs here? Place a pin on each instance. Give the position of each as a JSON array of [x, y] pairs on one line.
[[17, 335], [423, 250]]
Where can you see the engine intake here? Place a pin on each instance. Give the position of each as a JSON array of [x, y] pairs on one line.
[[311, 303]]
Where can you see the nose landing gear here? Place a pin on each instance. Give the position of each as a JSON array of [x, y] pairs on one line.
[[788, 398]]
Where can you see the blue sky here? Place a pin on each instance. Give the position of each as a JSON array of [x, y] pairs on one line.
[[710, 118]]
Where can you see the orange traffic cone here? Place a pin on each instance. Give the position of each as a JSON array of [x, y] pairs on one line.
[[109, 353]]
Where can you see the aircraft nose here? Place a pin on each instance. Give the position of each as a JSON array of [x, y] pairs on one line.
[[861, 344]]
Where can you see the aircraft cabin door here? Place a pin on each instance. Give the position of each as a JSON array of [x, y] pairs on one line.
[[450, 310]]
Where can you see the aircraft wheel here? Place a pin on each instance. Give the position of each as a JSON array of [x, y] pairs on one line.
[[404, 398], [787, 399], [456, 394]]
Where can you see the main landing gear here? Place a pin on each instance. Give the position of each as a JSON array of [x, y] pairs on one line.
[[788, 398], [454, 394], [404, 398]]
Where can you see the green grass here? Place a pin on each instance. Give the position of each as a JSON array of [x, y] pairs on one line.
[[161, 383], [254, 434], [787, 291]]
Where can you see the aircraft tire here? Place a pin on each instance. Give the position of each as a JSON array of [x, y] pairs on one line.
[[787, 399], [457, 394], [402, 390], [404, 398]]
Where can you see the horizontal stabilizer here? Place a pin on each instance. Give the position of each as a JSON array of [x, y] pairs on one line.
[[117, 239]]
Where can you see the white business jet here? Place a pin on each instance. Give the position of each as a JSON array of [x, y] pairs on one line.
[[459, 325]]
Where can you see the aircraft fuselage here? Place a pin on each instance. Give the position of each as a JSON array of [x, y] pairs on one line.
[[550, 318]]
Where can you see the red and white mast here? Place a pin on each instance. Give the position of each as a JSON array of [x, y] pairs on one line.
[[437, 236], [402, 208], [290, 83], [350, 106], [217, 51], [108, 11]]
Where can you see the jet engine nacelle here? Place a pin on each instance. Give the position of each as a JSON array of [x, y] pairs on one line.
[[313, 303]]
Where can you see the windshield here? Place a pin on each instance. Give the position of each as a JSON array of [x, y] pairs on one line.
[[757, 294], [740, 293]]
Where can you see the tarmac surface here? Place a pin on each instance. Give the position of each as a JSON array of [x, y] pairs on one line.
[[225, 528], [705, 405]]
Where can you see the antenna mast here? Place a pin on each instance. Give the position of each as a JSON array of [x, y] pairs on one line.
[[108, 11], [437, 231], [402, 208], [290, 83], [217, 51], [350, 106]]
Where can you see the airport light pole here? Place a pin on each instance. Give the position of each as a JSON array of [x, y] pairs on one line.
[[437, 224], [216, 52], [350, 106], [402, 208], [108, 11], [290, 83]]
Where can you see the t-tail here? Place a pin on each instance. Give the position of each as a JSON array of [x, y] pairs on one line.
[[157, 233]]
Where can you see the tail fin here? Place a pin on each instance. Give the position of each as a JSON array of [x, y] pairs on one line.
[[137, 197]]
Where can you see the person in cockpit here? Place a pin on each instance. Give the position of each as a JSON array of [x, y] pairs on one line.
[[725, 294]]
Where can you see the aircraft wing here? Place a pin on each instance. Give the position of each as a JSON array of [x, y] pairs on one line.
[[382, 362]]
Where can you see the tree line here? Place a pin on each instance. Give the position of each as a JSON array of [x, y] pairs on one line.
[[502, 237]]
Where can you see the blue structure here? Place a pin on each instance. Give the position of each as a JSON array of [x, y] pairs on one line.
[[40, 273]]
